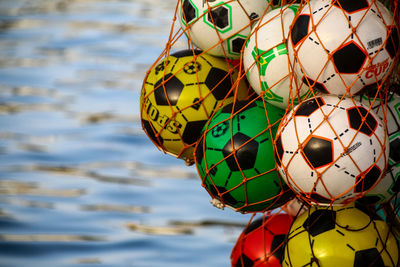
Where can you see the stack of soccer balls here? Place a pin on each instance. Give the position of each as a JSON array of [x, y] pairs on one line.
[[289, 109]]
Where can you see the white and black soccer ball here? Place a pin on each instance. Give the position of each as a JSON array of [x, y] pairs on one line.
[[343, 46], [221, 27], [331, 150], [265, 59], [390, 183]]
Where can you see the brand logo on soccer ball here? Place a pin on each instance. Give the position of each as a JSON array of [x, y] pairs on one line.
[[154, 115], [377, 69], [352, 148], [374, 43]]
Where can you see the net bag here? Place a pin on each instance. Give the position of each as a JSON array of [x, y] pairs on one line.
[[282, 102]]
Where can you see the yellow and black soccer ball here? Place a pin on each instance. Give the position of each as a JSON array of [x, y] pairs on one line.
[[179, 95], [340, 236]]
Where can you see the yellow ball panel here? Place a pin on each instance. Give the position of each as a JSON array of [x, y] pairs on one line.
[[339, 236], [180, 94]]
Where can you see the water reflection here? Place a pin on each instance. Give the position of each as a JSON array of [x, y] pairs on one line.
[[48, 238], [116, 208], [80, 183], [8, 187], [160, 230]]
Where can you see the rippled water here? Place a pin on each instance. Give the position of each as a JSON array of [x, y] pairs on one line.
[[80, 183]]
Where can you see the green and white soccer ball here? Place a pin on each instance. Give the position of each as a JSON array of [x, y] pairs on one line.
[[220, 27], [266, 61], [235, 157]]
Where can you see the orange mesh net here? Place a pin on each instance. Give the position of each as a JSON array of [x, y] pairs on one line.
[[282, 102]]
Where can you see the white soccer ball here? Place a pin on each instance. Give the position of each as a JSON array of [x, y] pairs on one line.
[[265, 59], [343, 46], [221, 27], [331, 150], [390, 183]]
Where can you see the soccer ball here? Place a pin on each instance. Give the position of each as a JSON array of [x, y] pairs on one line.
[[265, 59], [390, 183], [235, 157], [391, 213], [261, 244], [340, 236], [331, 149], [343, 46], [180, 93], [220, 27]]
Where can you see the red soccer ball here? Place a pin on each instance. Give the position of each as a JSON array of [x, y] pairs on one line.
[[261, 244]]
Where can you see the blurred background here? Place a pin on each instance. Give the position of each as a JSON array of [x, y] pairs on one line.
[[80, 182]]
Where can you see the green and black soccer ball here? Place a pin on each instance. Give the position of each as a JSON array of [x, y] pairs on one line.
[[235, 157]]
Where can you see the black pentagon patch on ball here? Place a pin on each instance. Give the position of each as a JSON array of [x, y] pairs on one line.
[[246, 155], [309, 106], [173, 89], [244, 261], [227, 197], [394, 151], [320, 221], [150, 132], [219, 81], [355, 116], [277, 246], [199, 152], [351, 5], [207, 183], [300, 29], [370, 178], [319, 198], [279, 150], [392, 44], [315, 85], [237, 44], [284, 196], [368, 200], [368, 257], [318, 152], [187, 53], [219, 17], [192, 131], [349, 58], [189, 11], [254, 225]]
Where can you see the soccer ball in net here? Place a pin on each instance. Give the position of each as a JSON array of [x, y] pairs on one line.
[[262, 243], [343, 46], [179, 95], [340, 236], [331, 149], [389, 185], [220, 27], [235, 157], [265, 59]]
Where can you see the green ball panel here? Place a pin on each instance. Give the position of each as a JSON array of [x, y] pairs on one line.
[[231, 137]]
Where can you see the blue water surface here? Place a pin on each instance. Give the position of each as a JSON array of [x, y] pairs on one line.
[[80, 182]]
